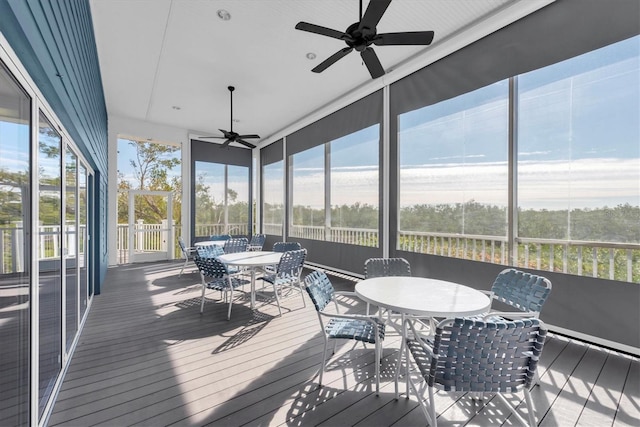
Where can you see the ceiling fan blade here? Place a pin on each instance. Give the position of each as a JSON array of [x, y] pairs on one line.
[[210, 137], [374, 13], [227, 142], [332, 59], [248, 136], [245, 143], [372, 62], [317, 29], [406, 38]]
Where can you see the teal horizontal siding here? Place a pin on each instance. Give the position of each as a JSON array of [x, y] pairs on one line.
[[55, 42]]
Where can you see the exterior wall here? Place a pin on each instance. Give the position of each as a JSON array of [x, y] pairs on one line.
[[55, 43]]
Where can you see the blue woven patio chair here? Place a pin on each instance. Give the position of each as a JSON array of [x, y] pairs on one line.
[[366, 329], [220, 237], [257, 242], [286, 246], [383, 267], [188, 253], [219, 279], [524, 292], [287, 274], [475, 356], [233, 245], [209, 251]]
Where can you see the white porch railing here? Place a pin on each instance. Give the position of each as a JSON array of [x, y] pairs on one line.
[[148, 240], [614, 261], [605, 260], [49, 244]]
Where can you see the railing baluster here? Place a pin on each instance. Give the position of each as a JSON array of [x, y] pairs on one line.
[[579, 260], [611, 264]]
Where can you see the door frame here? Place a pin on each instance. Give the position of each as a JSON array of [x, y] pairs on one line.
[[168, 231]]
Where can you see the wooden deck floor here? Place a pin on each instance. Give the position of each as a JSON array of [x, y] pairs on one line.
[[147, 357]]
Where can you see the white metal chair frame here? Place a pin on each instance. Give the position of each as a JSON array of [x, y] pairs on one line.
[[367, 329], [523, 291], [467, 355], [220, 279], [287, 274], [188, 253]]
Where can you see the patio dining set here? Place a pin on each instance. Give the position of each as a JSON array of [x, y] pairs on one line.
[[453, 338]]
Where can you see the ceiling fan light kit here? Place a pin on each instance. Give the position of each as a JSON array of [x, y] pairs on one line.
[[362, 34], [231, 136]]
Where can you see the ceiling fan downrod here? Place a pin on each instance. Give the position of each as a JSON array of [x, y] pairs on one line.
[[231, 89]]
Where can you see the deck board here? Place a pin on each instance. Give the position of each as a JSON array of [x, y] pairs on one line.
[[148, 357]]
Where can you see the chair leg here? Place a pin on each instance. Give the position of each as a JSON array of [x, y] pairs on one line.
[[183, 267], [532, 415], [204, 287], [230, 303], [378, 355], [275, 292], [304, 302], [324, 360], [527, 397], [432, 409]]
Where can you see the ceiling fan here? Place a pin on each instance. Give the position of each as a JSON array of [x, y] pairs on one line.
[[231, 136], [362, 34]]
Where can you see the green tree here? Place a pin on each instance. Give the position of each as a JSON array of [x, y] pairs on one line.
[[150, 165]]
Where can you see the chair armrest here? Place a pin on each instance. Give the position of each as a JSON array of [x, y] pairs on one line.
[[511, 314], [372, 319], [347, 293]]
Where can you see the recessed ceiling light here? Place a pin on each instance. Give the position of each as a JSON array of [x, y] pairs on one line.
[[224, 15], [175, 107], [311, 55]]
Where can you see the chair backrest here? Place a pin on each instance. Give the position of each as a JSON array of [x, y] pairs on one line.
[[382, 267], [182, 245], [286, 246], [257, 241], [211, 267], [319, 288], [220, 237], [234, 245], [209, 251], [521, 290], [290, 265], [482, 356]]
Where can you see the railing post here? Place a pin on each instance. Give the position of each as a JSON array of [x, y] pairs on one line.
[[165, 236]]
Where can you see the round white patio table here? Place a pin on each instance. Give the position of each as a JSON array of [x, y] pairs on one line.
[[421, 297], [252, 260]]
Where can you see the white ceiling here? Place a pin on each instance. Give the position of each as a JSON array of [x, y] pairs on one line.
[[159, 54]]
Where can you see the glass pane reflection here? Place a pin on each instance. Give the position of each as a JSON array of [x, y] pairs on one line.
[[15, 250]]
